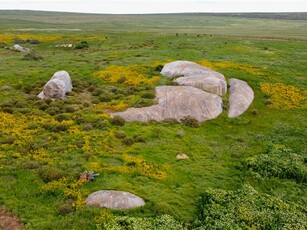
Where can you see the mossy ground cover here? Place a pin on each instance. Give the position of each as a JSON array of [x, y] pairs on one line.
[[45, 145]]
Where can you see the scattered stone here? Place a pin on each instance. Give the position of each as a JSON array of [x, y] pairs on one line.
[[19, 48], [88, 176], [114, 200], [182, 156], [177, 102], [6, 88], [241, 96]]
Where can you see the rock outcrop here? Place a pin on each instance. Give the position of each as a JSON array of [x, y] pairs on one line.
[[57, 86], [193, 74], [241, 96], [177, 102], [114, 200], [19, 48], [63, 76], [54, 89]]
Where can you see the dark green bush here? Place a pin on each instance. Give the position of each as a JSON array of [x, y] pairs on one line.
[[118, 120], [143, 103], [48, 173], [87, 127], [247, 209], [32, 57], [19, 41], [65, 209], [82, 45], [128, 141], [190, 122], [149, 95], [120, 134], [33, 41]]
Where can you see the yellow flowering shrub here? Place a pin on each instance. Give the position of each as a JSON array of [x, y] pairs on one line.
[[284, 96], [7, 38], [230, 65], [128, 75], [139, 165]]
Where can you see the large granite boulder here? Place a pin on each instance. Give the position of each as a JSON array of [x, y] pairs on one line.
[[241, 96], [63, 76], [114, 200], [19, 48], [193, 74], [209, 84], [53, 89], [177, 102]]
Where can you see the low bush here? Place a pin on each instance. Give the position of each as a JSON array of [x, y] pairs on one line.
[[118, 120], [280, 162], [247, 209], [128, 141], [82, 45], [190, 122], [120, 134], [48, 173], [32, 57]]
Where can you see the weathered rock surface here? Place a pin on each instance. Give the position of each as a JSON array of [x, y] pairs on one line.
[[19, 48], [193, 74], [54, 89], [241, 96], [114, 199], [209, 84], [177, 102], [63, 76]]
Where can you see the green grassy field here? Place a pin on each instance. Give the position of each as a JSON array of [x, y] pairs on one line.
[[45, 145]]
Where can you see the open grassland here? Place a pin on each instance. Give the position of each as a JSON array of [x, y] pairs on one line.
[[253, 25], [257, 160]]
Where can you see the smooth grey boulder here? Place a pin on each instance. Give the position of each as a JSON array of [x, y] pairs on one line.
[[63, 76], [114, 200], [188, 68], [209, 84], [19, 48], [241, 96], [193, 74], [53, 89], [177, 102]]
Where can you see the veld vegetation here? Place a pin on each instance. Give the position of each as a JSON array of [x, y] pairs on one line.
[[247, 172]]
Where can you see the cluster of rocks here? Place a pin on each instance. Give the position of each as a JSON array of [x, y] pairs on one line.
[[197, 96], [57, 87]]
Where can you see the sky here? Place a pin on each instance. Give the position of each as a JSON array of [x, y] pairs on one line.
[[157, 6]]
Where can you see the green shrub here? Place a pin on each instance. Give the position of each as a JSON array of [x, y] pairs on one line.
[[87, 127], [120, 134], [143, 103], [163, 222], [32, 56], [149, 95], [33, 41], [30, 164], [190, 122], [65, 209], [19, 41], [128, 141], [280, 162], [139, 138], [82, 45], [118, 120], [247, 209], [48, 173]]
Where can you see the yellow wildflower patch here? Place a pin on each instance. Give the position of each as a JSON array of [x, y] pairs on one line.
[[231, 65], [284, 96], [128, 75], [7, 38]]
